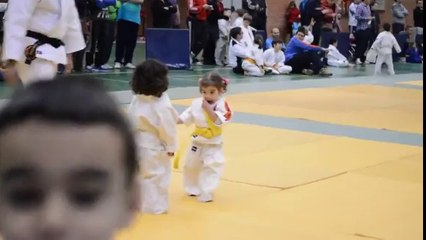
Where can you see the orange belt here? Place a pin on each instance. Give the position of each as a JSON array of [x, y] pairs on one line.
[[250, 60]]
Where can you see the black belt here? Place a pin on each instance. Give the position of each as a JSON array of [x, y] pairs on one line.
[[43, 39], [30, 51]]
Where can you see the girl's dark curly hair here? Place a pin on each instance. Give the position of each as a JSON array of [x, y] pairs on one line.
[[150, 78], [215, 80]]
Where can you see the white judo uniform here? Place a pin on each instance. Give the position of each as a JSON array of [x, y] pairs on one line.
[[253, 64], [53, 18], [205, 159], [221, 44], [155, 121], [275, 61], [335, 58], [248, 37], [383, 45]]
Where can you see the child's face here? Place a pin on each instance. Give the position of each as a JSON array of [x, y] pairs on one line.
[[211, 94], [62, 182], [278, 46], [227, 13]]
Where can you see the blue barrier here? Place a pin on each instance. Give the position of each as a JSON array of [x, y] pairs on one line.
[[343, 41], [170, 46]]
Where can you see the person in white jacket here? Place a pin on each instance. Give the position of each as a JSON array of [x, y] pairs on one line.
[[156, 137], [383, 45], [334, 57], [205, 159], [221, 43], [274, 59], [237, 51], [253, 65], [39, 35], [248, 36]]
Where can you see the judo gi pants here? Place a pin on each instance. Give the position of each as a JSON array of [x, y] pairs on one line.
[[384, 58], [155, 178], [39, 69], [221, 52], [251, 69], [338, 63], [202, 170]]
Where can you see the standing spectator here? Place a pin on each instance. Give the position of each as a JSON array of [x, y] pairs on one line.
[[56, 26], [103, 29], [200, 10], [248, 37], [328, 9], [418, 19], [352, 20], [128, 23], [212, 32], [162, 11], [257, 9], [238, 20], [313, 11], [363, 31], [375, 22], [175, 18], [83, 13], [399, 13], [221, 45], [292, 15]]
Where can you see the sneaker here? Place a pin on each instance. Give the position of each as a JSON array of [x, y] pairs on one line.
[[89, 67], [358, 61], [117, 65], [324, 72], [105, 67], [130, 66], [308, 72]]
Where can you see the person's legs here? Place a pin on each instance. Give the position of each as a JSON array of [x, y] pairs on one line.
[[119, 44], [298, 63], [379, 63], [362, 37], [191, 170], [131, 41], [388, 61], [37, 70], [211, 171]]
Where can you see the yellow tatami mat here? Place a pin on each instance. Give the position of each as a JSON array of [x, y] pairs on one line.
[[341, 189], [360, 105], [415, 83]]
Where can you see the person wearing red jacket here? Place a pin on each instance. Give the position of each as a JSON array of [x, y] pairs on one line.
[[292, 15], [199, 11]]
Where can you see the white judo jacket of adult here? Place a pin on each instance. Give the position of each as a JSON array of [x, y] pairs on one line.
[[53, 18]]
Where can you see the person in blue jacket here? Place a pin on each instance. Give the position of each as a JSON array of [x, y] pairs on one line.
[[304, 58]]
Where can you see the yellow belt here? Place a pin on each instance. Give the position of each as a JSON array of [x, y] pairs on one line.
[[250, 60], [211, 131]]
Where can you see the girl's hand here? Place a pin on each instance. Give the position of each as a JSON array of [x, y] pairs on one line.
[[205, 105]]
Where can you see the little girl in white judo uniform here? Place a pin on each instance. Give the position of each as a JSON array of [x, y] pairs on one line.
[[253, 65], [205, 159], [156, 137], [274, 59], [383, 45], [334, 57]]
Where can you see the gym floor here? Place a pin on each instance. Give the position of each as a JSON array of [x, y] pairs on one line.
[[307, 158]]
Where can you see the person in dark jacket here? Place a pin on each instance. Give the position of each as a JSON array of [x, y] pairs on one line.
[[162, 11], [257, 9], [212, 32]]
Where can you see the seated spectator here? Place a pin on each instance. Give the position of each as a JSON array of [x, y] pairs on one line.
[[274, 59], [253, 65], [237, 51], [304, 58], [413, 54], [334, 57], [275, 35]]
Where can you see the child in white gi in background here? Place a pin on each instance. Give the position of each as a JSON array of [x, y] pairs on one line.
[[221, 43], [205, 159], [156, 137], [55, 24], [248, 36], [274, 59], [253, 65], [334, 57], [383, 45]]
